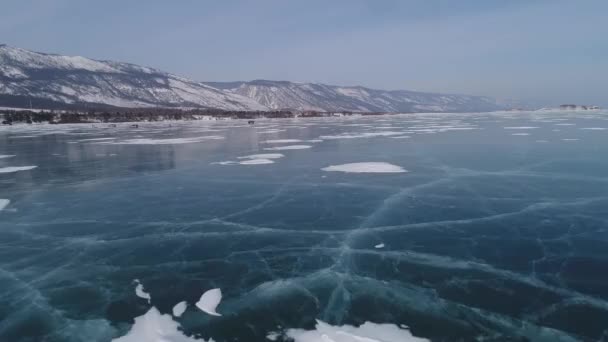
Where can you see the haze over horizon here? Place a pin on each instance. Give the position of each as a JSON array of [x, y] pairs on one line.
[[472, 47]]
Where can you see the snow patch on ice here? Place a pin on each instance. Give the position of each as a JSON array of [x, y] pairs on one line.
[[367, 332], [179, 309], [11, 169], [4, 203], [263, 156], [288, 147], [4, 156], [209, 301], [366, 167], [283, 141], [380, 245], [155, 327], [521, 134], [140, 292], [360, 135], [174, 141], [256, 162]]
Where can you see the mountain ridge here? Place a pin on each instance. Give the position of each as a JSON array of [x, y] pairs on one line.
[[75, 80]]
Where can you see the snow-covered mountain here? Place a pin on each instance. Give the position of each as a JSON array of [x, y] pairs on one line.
[[55, 80], [51, 78], [322, 97]]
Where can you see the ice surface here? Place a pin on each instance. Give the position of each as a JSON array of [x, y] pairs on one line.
[[288, 147], [11, 169], [155, 327], [292, 243], [263, 156], [140, 292], [367, 332], [366, 167], [256, 162], [521, 127], [359, 135], [209, 301], [282, 141], [4, 156], [174, 141], [4, 203], [179, 309]]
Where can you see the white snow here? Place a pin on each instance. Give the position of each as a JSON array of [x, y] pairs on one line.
[[380, 245], [10, 169], [228, 162], [521, 127], [179, 309], [4, 203], [155, 327], [595, 128], [256, 162], [263, 156], [4, 156], [173, 141], [140, 292], [571, 139], [288, 147], [367, 332], [521, 134], [360, 135], [283, 141], [209, 301], [366, 167], [271, 131], [272, 336]]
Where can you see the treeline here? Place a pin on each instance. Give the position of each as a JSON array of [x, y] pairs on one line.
[[8, 117]]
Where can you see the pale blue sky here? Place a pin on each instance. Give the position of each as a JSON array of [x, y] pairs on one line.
[[551, 51]]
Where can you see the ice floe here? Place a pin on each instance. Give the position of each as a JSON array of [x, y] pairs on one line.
[[4, 203], [263, 156], [256, 162], [367, 332], [380, 245], [360, 135], [140, 292], [521, 127], [271, 131], [282, 141], [288, 147], [209, 301], [366, 167], [570, 139], [4, 156], [521, 134], [96, 139], [594, 128], [10, 169], [179, 309], [155, 327], [173, 141]]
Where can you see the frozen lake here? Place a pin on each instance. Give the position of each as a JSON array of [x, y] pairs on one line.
[[458, 226]]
